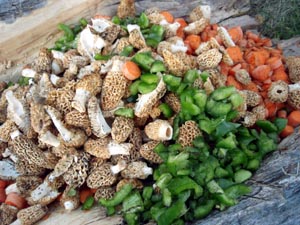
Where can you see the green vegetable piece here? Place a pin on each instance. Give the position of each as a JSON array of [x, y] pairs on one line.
[[200, 99], [102, 57], [24, 81], [70, 36], [229, 142], [118, 197], [266, 144], [110, 211], [178, 222], [127, 50], [176, 127], [225, 200], [83, 22], [76, 29], [175, 211], [242, 175], [266, 126], [220, 172], [239, 158], [219, 109], [143, 21], [171, 80], [149, 78], [236, 100], [147, 193], [158, 66], [88, 204], [190, 108], [223, 92], [144, 60], [166, 110], [132, 98], [126, 112], [180, 184], [232, 115], [156, 198], [190, 76], [280, 123], [154, 36], [164, 180], [225, 127], [72, 192], [202, 211], [133, 88], [177, 162], [253, 164], [225, 183], [204, 76], [237, 191], [145, 88], [214, 188], [131, 218], [166, 197], [181, 88], [116, 20], [133, 203], [209, 126], [175, 147]]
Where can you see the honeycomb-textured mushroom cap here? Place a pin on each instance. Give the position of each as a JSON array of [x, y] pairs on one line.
[[43, 62], [199, 12], [62, 166], [278, 91], [217, 79], [6, 129], [294, 96], [134, 182], [79, 119], [89, 85], [147, 152], [136, 38], [137, 169], [203, 47], [293, 64], [226, 39], [249, 119], [126, 8], [136, 139], [197, 26], [208, 86], [26, 184], [159, 130], [242, 76], [113, 89], [252, 98], [104, 192], [260, 111], [77, 173], [40, 120], [101, 176], [188, 132], [155, 111], [175, 62], [209, 59], [226, 57], [170, 29], [25, 168], [154, 15], [61, 99], [173, 101], [121, 44], [8, 214], [32, 214], [8, 171], [121, 128]]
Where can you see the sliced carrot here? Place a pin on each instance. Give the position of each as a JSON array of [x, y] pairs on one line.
[[282, 113], [274, 62], [181, 21], [183, 24], [214, 26], [131, 70], [288, 130], [233, 70], [251, 87], [232, 81], [193, 40], [236, 33], [93, 190], [84, 194], [180, 32], [264, 94], [16, 200], [252, 36], [261, 73], [256, 58], [168, 16], [235, 54], [204, 36], [266, 86], [2, 195], [242, 43], [294, 118], [266, 42], [224, 68], [271, 108], [3, 183], [189, 48], [280, 75]]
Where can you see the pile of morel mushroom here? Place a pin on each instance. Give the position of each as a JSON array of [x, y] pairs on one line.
[[90, 117]]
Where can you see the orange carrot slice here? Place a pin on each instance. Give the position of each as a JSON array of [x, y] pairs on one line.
[[232, 81], [2, 195], [16, 200], [282, 113], [261, 73], [288, 130], [236, 33], [84, 194], [131, 70], [193, 40], [3, 183], [274, 62], [235, 54], [168, 16], [294, 118]]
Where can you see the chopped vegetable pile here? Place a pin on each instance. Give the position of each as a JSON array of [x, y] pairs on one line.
[[157, 118]]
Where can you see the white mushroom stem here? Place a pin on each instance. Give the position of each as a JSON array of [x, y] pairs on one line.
[[57, 66], [15, 134], [17, 111], [49, 139], [16, 222], [147, 170], [80, 99], [100, 25], [69, 205], [121, 165], [54, 79], [8, 170], [57, 54], [43, 190], [12, 188], [115, 148], [293, 87], [178, 47], [99, 125], [28, 72], [64, 132]]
